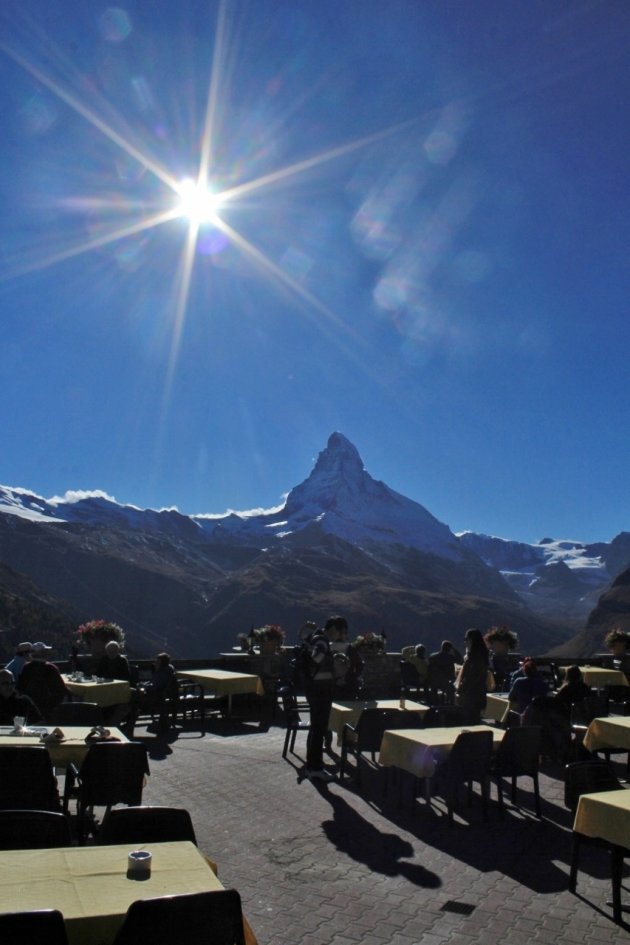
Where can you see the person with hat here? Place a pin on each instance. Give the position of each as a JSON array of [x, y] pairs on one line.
[[22, 657], [13, 703], [42, 681]]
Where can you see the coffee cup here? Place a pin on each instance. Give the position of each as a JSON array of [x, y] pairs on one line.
[[139, 864]]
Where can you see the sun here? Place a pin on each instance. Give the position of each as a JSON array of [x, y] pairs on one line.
[[197, 202]]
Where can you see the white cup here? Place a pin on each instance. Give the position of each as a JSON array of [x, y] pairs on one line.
[[139, 863], [19, 721]]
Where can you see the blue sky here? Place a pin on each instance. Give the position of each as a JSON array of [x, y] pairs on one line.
[[418, 236]]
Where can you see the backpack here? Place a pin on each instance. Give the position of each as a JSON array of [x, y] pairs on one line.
[[303, 666]]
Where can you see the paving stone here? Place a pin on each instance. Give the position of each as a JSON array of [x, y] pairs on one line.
[[325, 865]]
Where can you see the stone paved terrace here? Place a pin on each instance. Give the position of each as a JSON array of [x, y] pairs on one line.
[[327, 866]]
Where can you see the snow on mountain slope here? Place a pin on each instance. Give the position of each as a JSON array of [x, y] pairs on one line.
[[520, 562]]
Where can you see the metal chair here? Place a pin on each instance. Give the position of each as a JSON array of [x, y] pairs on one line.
[[366, 735], [468, 761], [196, 918], [517, 756], [77, 713], [410, 683], [27, 779], [294, 723], [111, 773], [40, 927], [33, 830], [146, 825], [443, 716]]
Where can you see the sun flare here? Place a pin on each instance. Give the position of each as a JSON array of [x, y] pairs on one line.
[[197, 202]]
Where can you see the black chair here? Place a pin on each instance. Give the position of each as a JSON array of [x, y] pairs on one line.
[[111, 773], [191, 704], [293, 719], [581, 715], [591, 777], [27, 779], [33, 829], [410, 683], [146, 825], [517, 756], [208, 918], [40, 927], [468, 761], [77, 713], [443, 716], [367, 735]]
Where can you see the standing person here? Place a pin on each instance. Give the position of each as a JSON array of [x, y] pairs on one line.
[[42, 681], [22, 656], [441, 670], [319, 690], [472, 681]]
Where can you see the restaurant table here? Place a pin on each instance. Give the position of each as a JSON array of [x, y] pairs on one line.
[[350, 712], [606, 815], [72, 750], [110, 692], [613, 731], [419, 751], [89, 885], [496, 704], [599, 676], [223, 682]]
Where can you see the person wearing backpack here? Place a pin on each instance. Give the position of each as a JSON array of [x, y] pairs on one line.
[[319, 686]]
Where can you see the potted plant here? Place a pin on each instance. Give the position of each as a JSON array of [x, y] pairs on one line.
[[269, 638], [501, 639], [370, 644], [95, 634]]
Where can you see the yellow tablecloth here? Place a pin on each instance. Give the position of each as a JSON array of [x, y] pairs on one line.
[[342, 712], [609, 732], [223, 682], [599, 676], [418, 751], [89, 885], [495, 706], [114, 692], [72, 750], [605, 815]]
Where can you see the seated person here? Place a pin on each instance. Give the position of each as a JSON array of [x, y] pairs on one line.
[[13, 704], [525, 688], [42, 681], [113, 665], [573, 689], [151, 696], [22, 657], [617, 641], [417, 656]]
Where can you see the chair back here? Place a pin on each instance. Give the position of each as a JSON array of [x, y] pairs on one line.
[[33, 830], [195, 918], [519, 751], [40, 927], [371, 726], [113, 773], [289, 703], [77, 713], [470, 756], [588, 777], [583, 713], [146, 825], [446, 716], [27, 779], [409, 677]]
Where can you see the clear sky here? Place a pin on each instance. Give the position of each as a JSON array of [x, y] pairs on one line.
[[404, 220]]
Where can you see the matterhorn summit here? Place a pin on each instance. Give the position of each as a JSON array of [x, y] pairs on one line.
[[344, 500]]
